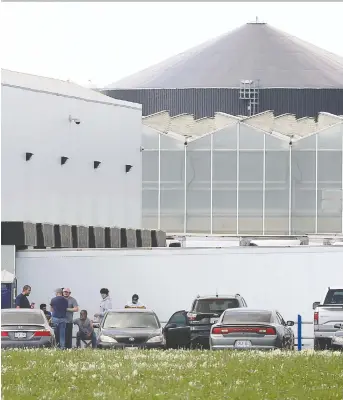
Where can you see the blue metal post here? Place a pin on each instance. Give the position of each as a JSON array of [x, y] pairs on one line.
[[299, 333]]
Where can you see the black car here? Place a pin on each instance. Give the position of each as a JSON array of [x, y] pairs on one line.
[[192, 329], [337, 339], [131, 328], [25, 328]]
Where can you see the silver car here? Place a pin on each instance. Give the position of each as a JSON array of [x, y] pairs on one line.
[[25, 328], [246, 328]]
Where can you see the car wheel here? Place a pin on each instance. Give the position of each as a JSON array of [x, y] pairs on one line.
[[291, 345], [288, 344], [321, 344], [285, 344]]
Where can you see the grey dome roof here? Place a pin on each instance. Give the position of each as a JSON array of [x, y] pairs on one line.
[[255, 51]]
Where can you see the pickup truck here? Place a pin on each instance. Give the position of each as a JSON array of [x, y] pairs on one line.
[[326, 316]]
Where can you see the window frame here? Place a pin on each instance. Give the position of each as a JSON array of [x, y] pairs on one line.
[[178, 324], [280, 318]]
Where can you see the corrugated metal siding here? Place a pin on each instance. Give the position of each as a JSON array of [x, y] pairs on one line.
[[205, 102]]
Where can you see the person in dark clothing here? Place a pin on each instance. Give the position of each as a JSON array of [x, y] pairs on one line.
[[86, 330], [59, 306], [22, 300], [72, 307], [46, 312]]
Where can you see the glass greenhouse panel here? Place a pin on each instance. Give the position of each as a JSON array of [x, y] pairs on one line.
[[226, 138], [149, 208], [304, 186], [224, 181], [250, 138], [198, 185], [150, 166], [150, 189], [329, 193], [150, 138], [250, 196], [172, 185], [170, 143], [274, 197], [276, 187]]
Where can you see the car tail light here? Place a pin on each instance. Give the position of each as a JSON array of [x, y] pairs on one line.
[[267, 331], [246, 329], [42, 333], [191, 316], [4, 334], [316, 318], [223, 331]]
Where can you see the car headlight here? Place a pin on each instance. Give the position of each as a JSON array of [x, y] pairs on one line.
[[107, 339], [338, 339], [156, 339]]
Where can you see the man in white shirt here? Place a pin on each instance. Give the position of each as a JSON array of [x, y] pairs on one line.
[[105, 304], [135, 303]]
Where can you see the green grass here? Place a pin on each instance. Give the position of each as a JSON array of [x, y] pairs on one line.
[[144, 375]]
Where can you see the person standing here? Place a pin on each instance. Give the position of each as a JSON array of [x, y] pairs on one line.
[[105, 304], [22, 300], [59, 306], [72, 307]]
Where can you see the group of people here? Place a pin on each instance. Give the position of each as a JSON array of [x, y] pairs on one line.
[[61, 317], [63, 307]]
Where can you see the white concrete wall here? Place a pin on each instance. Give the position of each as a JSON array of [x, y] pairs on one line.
[[167, 280], [41, 190]]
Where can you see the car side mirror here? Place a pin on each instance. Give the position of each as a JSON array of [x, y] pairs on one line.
[[315, 304], [337, 326], [96, 325], [290, 323]]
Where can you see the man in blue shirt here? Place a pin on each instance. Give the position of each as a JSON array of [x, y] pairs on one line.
[[59, 305]]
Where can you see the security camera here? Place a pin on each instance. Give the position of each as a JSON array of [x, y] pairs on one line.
[[76, 120]]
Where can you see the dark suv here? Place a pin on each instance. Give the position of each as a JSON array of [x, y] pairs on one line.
[[192, 329]]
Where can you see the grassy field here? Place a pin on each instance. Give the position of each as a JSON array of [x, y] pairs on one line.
[[112, 375]]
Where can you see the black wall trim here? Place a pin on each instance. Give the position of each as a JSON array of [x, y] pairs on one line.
[[42, 235], [123, 237], [57, 233]]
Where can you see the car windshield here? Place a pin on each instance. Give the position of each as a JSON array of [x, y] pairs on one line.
[[239, 317], [122, 320], [215, 306], [334, 297], [22, 318]]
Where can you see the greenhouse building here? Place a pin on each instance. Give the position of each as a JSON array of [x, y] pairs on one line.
[[260, 175]]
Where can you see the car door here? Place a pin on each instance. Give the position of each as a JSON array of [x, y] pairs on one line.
[[287, 332], [177, 331]]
